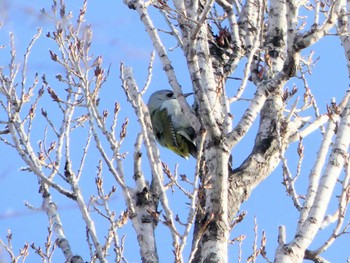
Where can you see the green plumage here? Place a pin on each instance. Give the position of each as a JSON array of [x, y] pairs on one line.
[[170, 127]]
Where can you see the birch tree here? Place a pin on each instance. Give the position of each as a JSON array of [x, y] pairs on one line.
[[267, 45]]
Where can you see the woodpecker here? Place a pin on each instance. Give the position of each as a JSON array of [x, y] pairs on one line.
[[170, 126]]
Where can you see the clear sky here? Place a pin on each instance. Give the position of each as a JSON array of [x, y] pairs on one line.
[[118, 35]]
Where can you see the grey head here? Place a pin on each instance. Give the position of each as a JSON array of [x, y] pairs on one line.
[[158, 97]]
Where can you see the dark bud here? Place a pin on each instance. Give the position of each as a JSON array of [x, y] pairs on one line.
[[53, 55]]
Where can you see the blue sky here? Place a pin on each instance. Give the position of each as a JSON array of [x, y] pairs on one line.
[[120, 36]]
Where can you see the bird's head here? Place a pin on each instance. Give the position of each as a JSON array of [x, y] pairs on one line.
[[157, 98]]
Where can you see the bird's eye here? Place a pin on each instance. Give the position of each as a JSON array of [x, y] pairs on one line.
[[170, 94]]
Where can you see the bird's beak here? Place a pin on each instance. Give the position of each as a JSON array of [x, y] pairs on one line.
[[188, 94]]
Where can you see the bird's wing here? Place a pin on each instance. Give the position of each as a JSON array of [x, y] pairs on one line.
[[182, 127], [166, 129], [191, 143]]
